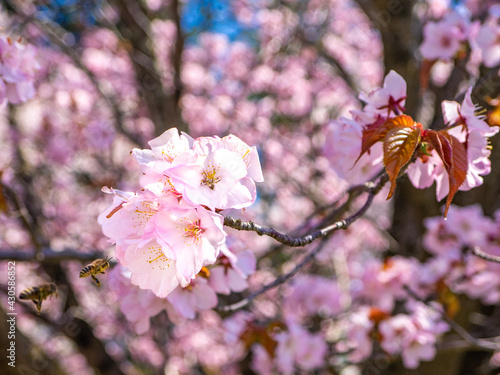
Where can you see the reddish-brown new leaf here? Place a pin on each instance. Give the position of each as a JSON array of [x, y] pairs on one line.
[[453, 153], [378, 130], [399, 145], [372, 133]]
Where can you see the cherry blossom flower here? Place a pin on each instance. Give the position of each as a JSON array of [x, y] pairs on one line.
[[481, 281], [220, 179], [384, 282], [487, 40], [18, 67], [443, 39], [214, 172], [299, 347], [150, 268], [191, 236], [128, 215], [479, 164], [164, 246], [438, 240], [348, 133], [128, 222], [138, 306], [430, 168], [413, 336], [465, 114], [232, 272], [467, 227], [428, 319], [390, 98], [195, 297], [358, 327], [422, 174], [313, 295]]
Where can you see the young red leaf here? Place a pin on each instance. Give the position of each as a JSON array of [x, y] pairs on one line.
[[399, 145], [378, 130], [453, 153], [442, 146], [371, 134]]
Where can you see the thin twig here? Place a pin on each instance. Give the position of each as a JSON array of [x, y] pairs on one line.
[[477, 342], [487, 344], [297, 241], [278, 281], [481, 254], [307, 239]]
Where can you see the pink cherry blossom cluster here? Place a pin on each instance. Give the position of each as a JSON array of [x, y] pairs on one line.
[[298, 347], [354, 302], [458, 117], [387, 102], [171, 228], [412, 335], [443, 39], [377, 308], [381, 104], [280, 347], [18, 67], [447, 37], [451, 242]]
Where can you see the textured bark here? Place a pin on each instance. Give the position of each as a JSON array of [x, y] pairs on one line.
[[162, 103]]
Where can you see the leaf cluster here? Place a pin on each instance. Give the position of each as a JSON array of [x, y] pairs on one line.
[[405, 140]]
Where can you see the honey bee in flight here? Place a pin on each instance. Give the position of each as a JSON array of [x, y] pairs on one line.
[[38, 293], [96, 267]]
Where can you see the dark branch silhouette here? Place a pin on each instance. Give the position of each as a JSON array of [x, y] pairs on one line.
[[481, 254], [299, 241]]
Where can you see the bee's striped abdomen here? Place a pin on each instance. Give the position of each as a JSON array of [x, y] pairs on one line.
[[29, 293], [96, 267], [38, 293], [86, 271]]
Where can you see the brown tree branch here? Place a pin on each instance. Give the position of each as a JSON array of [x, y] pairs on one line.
[[163, 107], [55, 34], [278, 281], [47, 255], [298, 241], [476, 250]]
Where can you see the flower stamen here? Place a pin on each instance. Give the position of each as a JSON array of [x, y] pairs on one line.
[[210, 177]]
